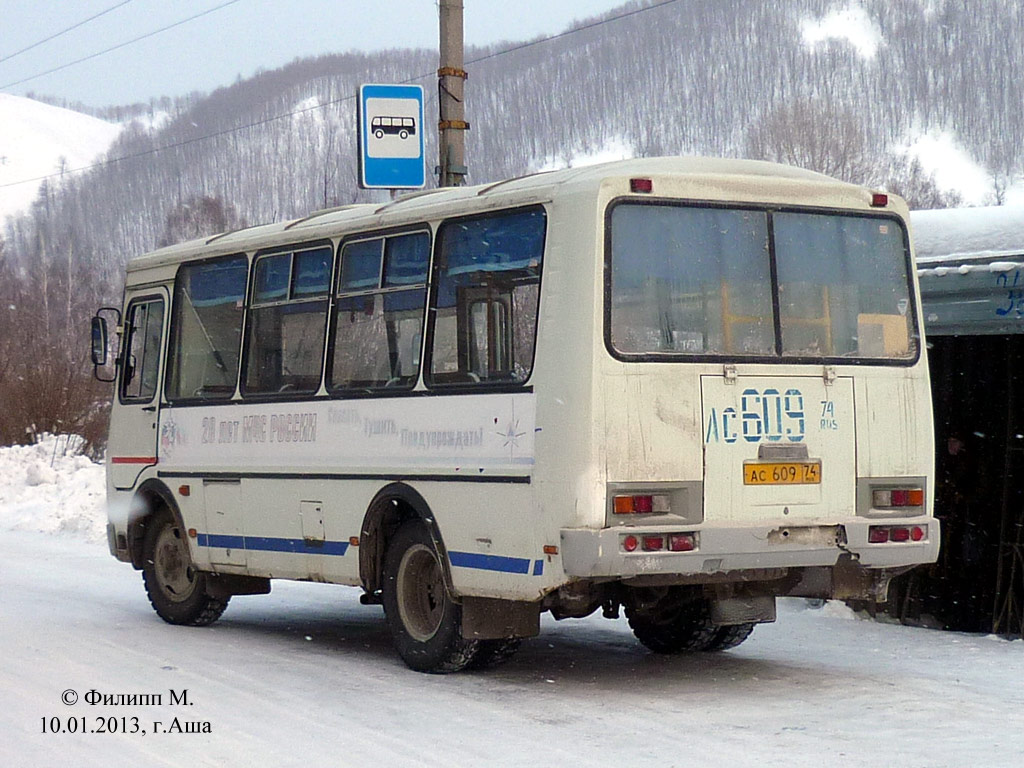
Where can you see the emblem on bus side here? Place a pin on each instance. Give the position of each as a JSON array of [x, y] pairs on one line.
[[171, 435]]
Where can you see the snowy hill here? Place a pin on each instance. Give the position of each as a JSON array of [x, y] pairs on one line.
[[34, 137]]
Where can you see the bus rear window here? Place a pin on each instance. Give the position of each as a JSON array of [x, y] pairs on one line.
[[688, 280], [843, 286]]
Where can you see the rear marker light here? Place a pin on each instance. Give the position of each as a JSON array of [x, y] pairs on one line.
[[917, 533], [879, 200], [630, 543], [878, 535], [641, 185]]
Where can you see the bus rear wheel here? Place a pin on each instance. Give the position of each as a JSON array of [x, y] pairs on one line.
[[493, 653], [675, 623], [176, 589], [425, 623], [729, 637]]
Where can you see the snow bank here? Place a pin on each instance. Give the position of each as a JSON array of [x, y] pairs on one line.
[[51, 488], [851, 24]]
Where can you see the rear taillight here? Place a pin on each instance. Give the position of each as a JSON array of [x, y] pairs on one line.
[[682, 542], [659, 542], [897, 498], [653, 543], [881, 534], [641, 504]]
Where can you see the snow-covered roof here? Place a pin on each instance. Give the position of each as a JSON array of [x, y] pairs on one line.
[[957, 235], [971, 269]]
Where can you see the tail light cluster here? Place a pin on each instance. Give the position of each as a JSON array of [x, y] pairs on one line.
[[882, 534], [896, 498], [641, 504], [659, 542]]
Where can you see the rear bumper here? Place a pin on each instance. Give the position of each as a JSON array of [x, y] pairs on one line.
[[598, 553]]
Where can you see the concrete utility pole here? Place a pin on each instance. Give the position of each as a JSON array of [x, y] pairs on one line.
[[451, 79]]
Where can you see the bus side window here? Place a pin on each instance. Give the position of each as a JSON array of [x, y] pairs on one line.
[[288, 321], [142, 350], [487, 296], [378, 316]]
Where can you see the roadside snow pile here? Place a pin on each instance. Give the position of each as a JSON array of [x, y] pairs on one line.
[[51, 488]]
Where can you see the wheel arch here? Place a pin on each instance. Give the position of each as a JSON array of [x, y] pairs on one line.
[[151, 497], [391, 506]]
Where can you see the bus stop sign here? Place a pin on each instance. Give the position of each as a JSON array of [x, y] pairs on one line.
[[390, 129]]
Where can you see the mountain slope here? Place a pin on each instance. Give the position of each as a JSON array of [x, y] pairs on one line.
[[690, 77], [35, 139]]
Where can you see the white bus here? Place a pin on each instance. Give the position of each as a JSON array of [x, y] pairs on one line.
[[682, 387]]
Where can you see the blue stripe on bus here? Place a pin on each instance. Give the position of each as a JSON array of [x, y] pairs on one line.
[[300, 546], [490, 562], [267, 544]]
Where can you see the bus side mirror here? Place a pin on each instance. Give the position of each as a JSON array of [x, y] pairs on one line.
[[99, 341]]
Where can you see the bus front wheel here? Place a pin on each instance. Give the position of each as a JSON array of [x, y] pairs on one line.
[[176, 589], [425, 623]]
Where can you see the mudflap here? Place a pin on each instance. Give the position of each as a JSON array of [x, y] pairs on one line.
[[486, 618]]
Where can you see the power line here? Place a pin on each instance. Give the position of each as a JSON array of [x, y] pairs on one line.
[[55, 35], [573, 31], [119, 45], [343, 99]]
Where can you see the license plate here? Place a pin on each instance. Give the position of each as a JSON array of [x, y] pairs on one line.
[[782, 473]]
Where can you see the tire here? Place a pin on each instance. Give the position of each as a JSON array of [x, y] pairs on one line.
[[176, 589], [403, 135], [729, 637], [675, 624], [379, 134], [493, 653], [425, 623]]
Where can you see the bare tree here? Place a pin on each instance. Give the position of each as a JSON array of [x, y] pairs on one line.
[[817, 135], [199, 217]]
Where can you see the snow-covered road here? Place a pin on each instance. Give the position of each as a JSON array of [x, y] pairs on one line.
[[306, 676]]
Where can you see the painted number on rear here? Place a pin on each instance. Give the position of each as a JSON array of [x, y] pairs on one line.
[[770, 416]]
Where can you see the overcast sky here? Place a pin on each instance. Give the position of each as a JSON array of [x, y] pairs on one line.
[[238, 39]]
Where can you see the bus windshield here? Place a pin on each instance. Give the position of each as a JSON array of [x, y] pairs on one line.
[[699, 280]]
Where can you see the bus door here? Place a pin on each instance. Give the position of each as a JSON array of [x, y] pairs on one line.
[[779, 448], [134, 438]]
